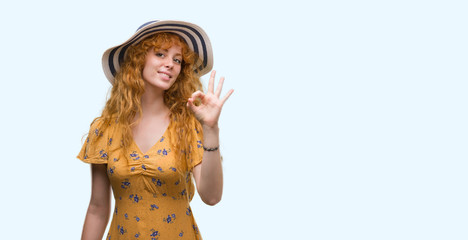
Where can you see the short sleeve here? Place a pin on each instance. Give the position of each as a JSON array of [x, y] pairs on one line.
[[197, 149], [95, 148]]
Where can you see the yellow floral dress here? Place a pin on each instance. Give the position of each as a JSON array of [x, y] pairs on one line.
[[151, 195]]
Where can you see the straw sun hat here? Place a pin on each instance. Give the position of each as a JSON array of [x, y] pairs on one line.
[[193, 35]]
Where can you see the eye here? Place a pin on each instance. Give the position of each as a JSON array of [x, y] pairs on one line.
[[159, 54], [178, 61]]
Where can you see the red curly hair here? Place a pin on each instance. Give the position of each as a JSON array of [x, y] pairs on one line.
[[125, 100]]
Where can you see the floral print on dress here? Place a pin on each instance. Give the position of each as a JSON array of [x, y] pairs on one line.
[[134, 156], [111, 170], [135, 198], [170, 218], [157, 182], [153, 207], [163, 152], [125, 184], [103, 154], [188, 212], [121, 229], [154, 234], [152, 194]]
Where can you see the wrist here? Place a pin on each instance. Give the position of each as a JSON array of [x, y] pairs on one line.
[[210, 128], [211, 149], [210, 136]]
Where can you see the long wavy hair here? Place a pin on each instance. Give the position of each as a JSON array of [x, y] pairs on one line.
[[124, 102]]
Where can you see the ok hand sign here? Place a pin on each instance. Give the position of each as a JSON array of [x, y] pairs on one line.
[[210, 107]]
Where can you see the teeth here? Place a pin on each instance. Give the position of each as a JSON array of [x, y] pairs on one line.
[[166, 74]]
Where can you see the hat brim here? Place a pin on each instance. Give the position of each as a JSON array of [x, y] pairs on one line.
[[194, 36]]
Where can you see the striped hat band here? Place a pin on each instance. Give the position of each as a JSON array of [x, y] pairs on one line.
[[194, 36]]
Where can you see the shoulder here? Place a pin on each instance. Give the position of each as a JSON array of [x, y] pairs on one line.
[[94, 150], [103, 131], [101, 125]]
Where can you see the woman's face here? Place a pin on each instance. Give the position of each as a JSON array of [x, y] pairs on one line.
[[162, 67]]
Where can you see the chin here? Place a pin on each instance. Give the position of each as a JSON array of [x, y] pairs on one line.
[[163, 86]]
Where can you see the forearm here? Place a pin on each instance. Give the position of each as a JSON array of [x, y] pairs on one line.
[[96, 221], [211, 176], [98, 212]]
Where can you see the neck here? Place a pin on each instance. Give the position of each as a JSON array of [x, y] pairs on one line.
[[152, 103]]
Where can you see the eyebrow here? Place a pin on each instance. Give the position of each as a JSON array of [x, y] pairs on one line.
[[165, 50]]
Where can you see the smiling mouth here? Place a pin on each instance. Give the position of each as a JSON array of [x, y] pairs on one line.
[[165, 74]]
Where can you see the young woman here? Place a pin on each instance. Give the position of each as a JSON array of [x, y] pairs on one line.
[[157, 132]]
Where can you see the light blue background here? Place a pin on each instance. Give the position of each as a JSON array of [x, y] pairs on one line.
[[348, 119]]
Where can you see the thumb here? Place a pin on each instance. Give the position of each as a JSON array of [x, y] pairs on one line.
[[190, 105]]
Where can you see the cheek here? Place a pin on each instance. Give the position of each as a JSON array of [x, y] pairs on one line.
[[145, 73], [178, 70], [176, 78]]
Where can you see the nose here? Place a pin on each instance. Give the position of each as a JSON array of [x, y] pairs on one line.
[[168, 63]]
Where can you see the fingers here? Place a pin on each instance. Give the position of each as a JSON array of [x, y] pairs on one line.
[[220, 87], [225, 98], [211, 82], [200, 95], [191, 101], [191, 105], [197, 94]]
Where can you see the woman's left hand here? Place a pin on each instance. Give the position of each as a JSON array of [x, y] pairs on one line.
[[209, 109]]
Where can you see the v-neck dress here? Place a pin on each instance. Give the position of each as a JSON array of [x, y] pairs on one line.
[[151, 195]]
